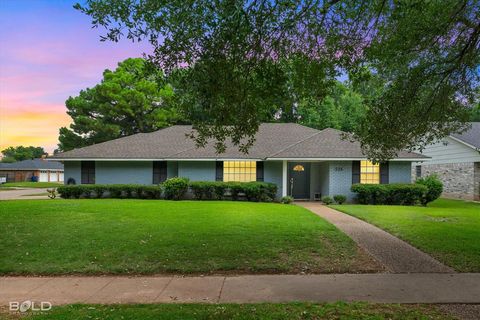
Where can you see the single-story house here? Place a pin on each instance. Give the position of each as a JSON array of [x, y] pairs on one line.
[[305, 163], [456, 161], [46, 171]]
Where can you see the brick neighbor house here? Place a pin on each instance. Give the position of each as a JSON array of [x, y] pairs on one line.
[[46, 171], [456, 161]]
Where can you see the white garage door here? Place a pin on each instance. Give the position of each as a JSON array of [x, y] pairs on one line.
[[60, 179], [43, 176]]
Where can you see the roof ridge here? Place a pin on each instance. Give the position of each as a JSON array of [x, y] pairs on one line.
[[294, 144]]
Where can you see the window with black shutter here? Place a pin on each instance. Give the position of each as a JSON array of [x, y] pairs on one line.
[[159, 171], [355, 172], [259, 170], [384, 173], [88, 172]]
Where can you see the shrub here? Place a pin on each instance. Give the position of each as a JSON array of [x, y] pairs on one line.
[[327, 200], [219, 189], [235, 189], [391, 194], [287, 200], [253, 191], [339, 198], [110, 191], [175, 188], [197, 189], [434, 188]]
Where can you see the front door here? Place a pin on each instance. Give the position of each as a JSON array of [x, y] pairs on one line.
[[299, 180]]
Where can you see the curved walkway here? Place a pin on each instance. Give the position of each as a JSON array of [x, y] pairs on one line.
[[397, 255]]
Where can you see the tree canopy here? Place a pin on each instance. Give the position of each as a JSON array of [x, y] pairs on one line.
[[133, 98], [246, 57], [20, 153]]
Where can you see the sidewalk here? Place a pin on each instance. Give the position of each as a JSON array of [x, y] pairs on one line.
[[23, 194], [387, 288], [397, 255]]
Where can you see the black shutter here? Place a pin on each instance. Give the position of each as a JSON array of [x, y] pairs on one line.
[[88, 172], [219, 171], [384, 172], [159, 171], [259, 170], [355, 172]]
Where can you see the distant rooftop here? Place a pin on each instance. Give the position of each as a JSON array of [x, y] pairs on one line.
[[34, 164]]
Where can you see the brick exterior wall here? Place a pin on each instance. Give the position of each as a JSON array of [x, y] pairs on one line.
[[460, 180]]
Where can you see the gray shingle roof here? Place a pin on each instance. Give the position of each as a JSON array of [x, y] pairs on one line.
[[471, 136], [273, 140], [35, 164]]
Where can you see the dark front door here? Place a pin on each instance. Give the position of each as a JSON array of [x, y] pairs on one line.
[[299, 180]]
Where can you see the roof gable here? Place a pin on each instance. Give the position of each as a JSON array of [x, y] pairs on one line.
[[471, 136]]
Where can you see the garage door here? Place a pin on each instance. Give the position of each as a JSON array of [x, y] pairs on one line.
[[60, 179], [43, 176]]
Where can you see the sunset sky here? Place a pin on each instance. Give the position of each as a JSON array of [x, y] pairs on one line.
[[48, 52]]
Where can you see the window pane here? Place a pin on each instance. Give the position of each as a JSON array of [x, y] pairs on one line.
[[369, 172], [243, 171]]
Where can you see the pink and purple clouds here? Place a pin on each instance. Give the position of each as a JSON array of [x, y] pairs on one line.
[[48, 52]]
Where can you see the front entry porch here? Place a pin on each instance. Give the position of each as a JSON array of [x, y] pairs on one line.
[[299, 180], [305, 180]]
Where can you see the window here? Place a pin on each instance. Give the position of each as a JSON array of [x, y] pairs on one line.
[[88, 172], [369, 172], [418, 171], [159, 171], [299, 167], [243, 171]]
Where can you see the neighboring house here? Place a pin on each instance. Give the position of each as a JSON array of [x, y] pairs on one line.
[[456, 161], [304, 162], [46, 171]]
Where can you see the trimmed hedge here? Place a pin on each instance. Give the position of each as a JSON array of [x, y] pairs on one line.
[[175, 189], [218, 190], [390, 194], [121, 191]]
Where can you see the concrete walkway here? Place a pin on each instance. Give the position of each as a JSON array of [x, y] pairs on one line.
[[382, 288], [397, 255], [23, 194]]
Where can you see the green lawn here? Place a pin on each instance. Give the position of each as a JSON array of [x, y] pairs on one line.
[[154, 236], [352, 311], [29, 184], [449, 230]]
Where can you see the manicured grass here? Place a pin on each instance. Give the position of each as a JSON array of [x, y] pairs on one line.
[[449, 230], [155, 236], [353, 311], [29, 184]]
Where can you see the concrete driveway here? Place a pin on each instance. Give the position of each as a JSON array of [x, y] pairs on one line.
[[24, 194]]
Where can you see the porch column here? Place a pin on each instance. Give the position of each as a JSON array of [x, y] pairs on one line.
[[284, 178]]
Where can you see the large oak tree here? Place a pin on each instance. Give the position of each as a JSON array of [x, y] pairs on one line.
[[246, 57]]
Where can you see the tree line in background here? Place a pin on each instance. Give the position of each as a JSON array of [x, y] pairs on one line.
[[20, 153]]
